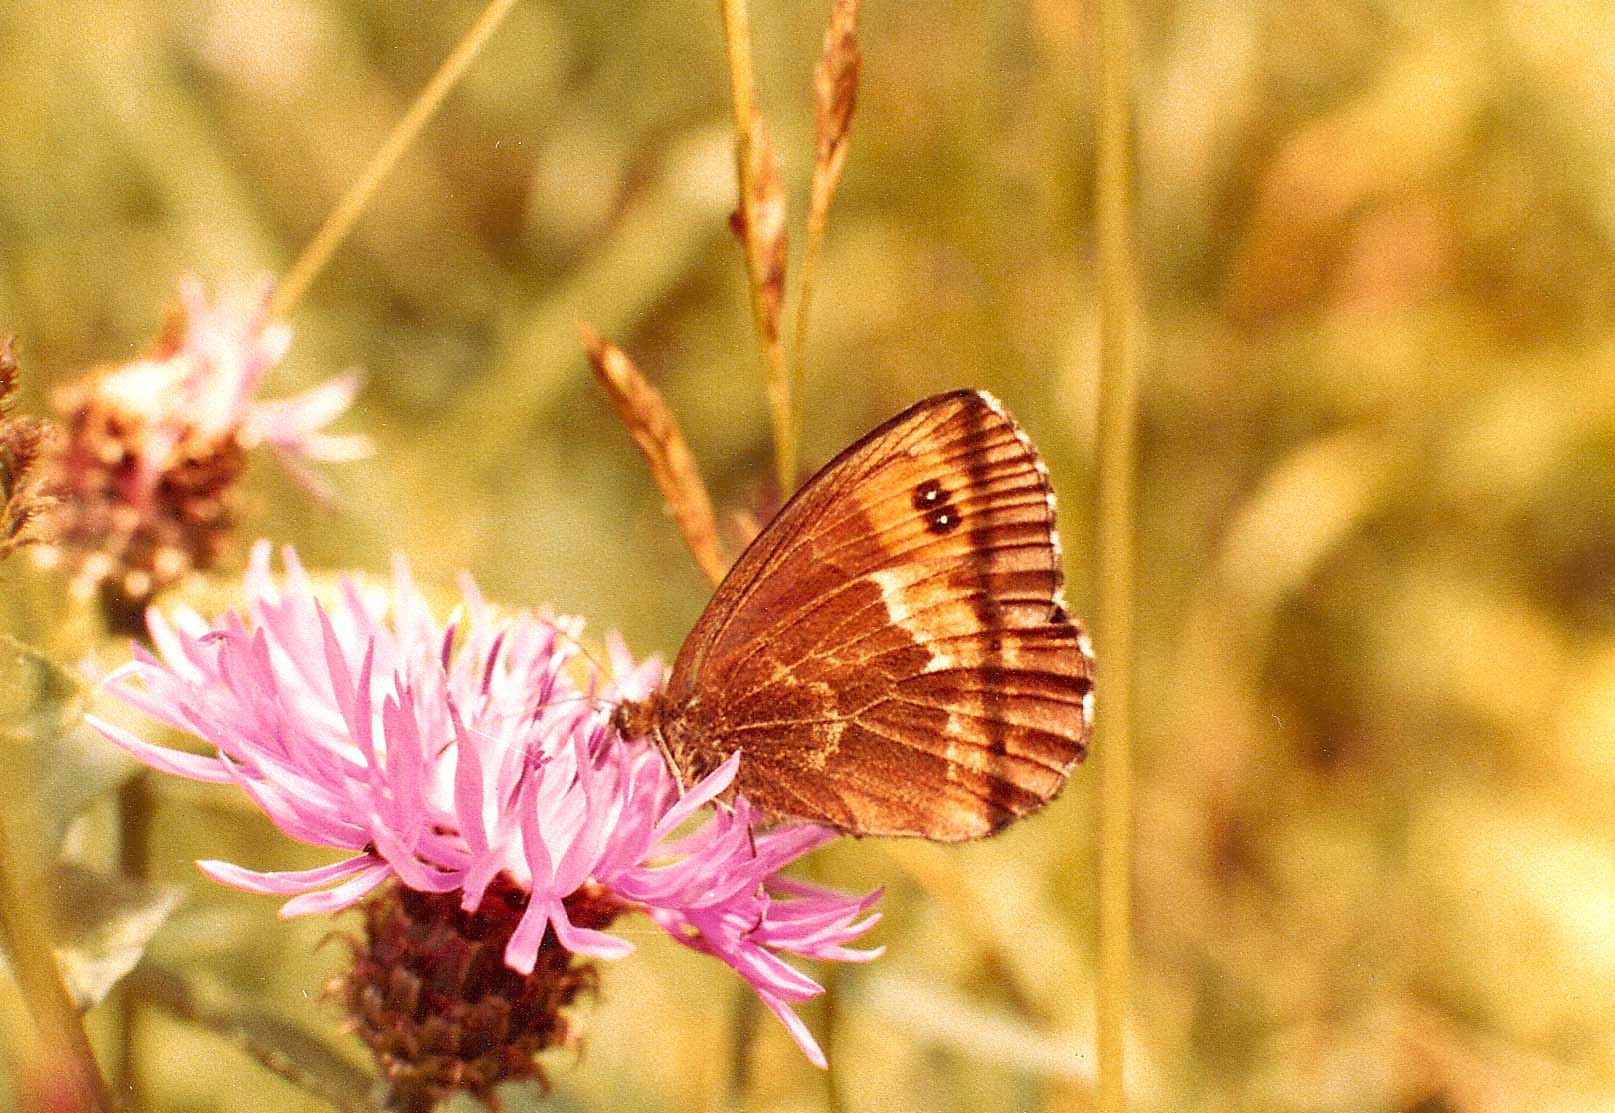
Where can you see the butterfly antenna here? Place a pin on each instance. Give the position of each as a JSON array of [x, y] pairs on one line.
[[599, 701], [538, 710], [560, 631]]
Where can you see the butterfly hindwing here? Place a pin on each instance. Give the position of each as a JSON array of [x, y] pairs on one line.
[[891, 654]]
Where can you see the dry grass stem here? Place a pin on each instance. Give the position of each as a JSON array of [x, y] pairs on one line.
[[23, 441], [1118, 404], [760, 223], [835, 95], [651, 424], [357, 199]]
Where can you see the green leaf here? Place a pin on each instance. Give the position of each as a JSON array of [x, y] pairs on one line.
[[45, 744], [32, 685], [283, 1047], [100, 926], [79, 767]]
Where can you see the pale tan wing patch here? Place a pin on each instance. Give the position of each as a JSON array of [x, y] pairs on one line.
[[892, 655]]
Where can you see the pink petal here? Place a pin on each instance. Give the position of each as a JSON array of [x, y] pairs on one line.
[[521, 952], [711, 785], [316, 407], [798, 1030], [334, 900], [585, 941], [289, 881], [192, 766]]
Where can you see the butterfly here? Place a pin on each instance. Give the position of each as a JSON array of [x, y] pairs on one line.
[[891, 654]]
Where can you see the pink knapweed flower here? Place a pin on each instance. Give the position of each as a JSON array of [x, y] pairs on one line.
[[147, 471], [201, 378], [471, 759]]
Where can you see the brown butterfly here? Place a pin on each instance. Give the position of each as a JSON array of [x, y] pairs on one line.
[[891, 655]]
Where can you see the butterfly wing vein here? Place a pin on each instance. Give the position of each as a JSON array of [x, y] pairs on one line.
[[892, 654]]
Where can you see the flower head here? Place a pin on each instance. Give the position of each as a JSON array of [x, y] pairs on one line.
[[474, 761], [154, 448]]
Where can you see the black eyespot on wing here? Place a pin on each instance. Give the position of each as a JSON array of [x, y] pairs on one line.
[[801, 644], [930, 494]]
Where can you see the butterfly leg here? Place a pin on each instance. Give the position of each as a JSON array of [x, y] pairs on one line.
[[667, 759]]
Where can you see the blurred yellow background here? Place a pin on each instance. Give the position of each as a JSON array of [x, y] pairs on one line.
[[1375, 862]]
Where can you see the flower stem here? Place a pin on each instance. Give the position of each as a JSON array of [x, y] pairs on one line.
[[743, 1024], [135, 806], [737, 43], [353, 204], [1118, 363], [829, 1013], [63, 1043], [829, 1009]]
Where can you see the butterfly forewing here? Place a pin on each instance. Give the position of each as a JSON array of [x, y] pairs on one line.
[[891, 654]]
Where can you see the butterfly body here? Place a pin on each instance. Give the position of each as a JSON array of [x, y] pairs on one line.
[[891, 655]]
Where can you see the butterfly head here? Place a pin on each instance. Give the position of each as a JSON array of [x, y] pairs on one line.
[[647, 719], [892, 655], [637, 718]]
